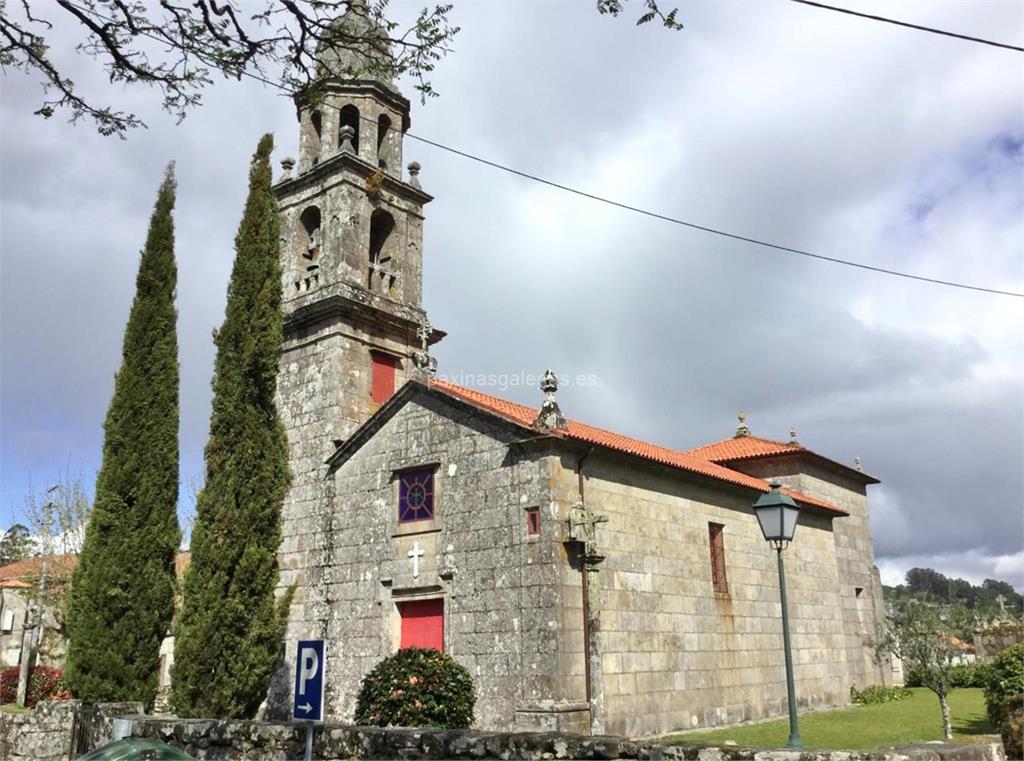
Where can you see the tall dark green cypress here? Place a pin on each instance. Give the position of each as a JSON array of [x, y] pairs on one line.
[[122, 593], [230, 631]]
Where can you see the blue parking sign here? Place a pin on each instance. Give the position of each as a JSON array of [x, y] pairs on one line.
[[310, 663]]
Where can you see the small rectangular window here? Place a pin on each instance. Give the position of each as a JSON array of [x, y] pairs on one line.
[[716, 541], [416, 495], [382, 380], [532, 521], [8, 621]]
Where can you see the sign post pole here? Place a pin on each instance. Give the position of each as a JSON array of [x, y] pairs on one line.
[[308, 700]]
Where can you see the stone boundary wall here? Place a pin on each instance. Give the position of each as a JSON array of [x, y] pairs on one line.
[[270, 741], [43, 734], [58, 730]]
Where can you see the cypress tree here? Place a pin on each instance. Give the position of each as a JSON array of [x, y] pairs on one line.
[[229, 634], [122, 595]]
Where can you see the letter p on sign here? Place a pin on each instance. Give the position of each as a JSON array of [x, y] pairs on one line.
[[308, 702]]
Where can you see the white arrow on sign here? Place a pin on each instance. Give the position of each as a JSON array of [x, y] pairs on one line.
[[305, 708]]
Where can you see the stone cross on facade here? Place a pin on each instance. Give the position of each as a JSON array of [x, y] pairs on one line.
[[415, 554], [423, 332], [424, 366], [1001, 601], [583, 528]]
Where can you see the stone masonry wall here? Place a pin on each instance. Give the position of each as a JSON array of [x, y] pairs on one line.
[[676, 654], [497, 583], [43, 734], [863, 609], [256, 741]]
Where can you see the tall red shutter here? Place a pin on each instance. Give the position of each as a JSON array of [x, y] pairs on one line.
[[422, 623], [382, 381]]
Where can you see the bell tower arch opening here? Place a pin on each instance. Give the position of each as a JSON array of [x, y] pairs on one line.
[[383, 128], [348, 116], [383, 263]]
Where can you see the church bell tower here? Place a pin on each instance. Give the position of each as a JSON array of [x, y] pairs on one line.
[[352, 271]]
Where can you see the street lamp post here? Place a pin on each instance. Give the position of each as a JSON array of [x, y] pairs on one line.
[[777, 514]]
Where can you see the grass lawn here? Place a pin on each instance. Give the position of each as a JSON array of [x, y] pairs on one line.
[[915, 719]]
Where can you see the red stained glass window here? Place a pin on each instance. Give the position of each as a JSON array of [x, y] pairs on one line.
[[416, 496], [533, 521]]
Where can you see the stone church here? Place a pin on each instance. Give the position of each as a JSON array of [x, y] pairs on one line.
[[589, 581]]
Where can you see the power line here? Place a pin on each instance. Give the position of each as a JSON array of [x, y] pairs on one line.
[[712, 230], [910, 26], [674, 220]]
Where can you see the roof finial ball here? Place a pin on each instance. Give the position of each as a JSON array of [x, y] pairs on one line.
[[414, 173], [792, 438], [549, 416], [742, 429], [857, 465]]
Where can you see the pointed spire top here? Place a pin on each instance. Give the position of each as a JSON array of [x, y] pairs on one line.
[[355, 45], [742, 429]]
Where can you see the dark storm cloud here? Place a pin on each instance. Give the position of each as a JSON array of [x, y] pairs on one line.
[[889, 148]]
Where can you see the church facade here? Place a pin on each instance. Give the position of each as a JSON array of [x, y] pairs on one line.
[[589, 581]]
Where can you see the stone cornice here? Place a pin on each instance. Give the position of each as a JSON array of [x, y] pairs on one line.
[[344, 300], [329, 167]]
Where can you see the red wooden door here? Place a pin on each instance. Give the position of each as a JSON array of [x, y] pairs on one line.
[[382, 379], [423, 623]]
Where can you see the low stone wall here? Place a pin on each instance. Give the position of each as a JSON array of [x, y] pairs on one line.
[[58, 730], [268, 741], [43, 734]]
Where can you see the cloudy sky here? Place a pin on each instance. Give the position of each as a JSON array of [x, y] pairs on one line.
[[773, 120]]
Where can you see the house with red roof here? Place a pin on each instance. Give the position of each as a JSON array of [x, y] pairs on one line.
[[587, 579]]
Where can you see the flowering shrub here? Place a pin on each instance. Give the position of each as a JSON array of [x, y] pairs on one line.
[[417, 688], [44, 683]]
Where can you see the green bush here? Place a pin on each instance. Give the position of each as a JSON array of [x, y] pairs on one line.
[[417, 688], [969, 675], [1005, 679], [878, 693], [964, 675]]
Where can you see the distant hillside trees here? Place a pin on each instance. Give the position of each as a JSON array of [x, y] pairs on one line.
[[930, 585], [122, 593]]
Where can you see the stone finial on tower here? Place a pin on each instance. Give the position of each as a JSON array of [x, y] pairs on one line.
[[424, 365], [549, 416], [287, 165], [742, 429], [414, 174], [348, 133], [792, 438]]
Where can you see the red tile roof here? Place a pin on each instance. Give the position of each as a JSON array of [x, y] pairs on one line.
[[29, 567], [688, 461], [743, 447]]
